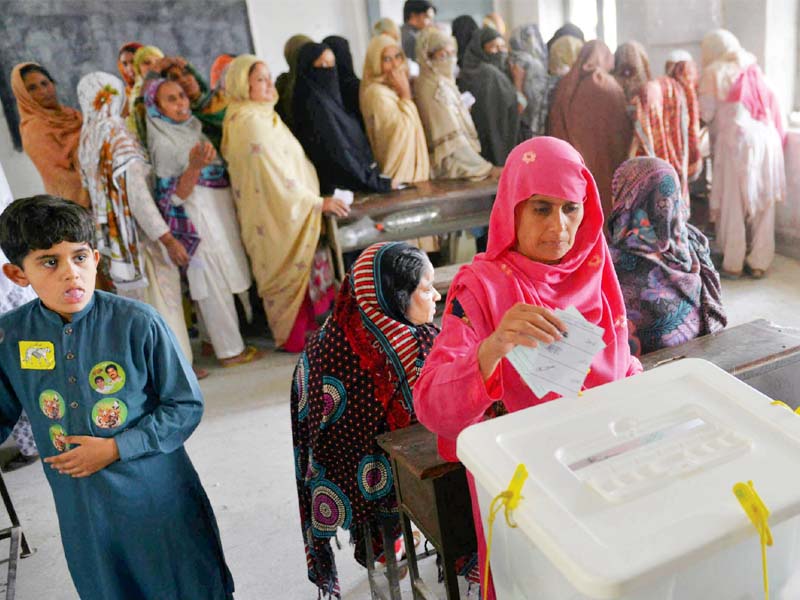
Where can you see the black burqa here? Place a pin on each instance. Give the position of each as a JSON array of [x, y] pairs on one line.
[[566, 29], [495, 112], [463, 27], [330, 135], [349, 83]]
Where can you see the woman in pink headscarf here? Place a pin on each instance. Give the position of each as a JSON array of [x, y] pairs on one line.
[[546, 251]]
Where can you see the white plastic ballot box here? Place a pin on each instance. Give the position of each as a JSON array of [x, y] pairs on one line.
[[630, 490]]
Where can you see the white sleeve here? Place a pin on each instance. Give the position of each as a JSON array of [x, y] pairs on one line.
[[141, 201]]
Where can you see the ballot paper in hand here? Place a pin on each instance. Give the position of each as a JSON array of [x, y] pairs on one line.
[[345, 196], [562, 366]]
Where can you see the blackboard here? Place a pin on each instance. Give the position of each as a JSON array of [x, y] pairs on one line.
[[73, 37]]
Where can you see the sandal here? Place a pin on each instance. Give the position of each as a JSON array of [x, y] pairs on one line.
[[200, 373], [249, 354]]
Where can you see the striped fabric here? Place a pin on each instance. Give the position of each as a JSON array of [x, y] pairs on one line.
[[398, 341]]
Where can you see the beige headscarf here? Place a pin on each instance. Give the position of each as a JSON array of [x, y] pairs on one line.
[[50, 137], [386, 26], [723, 59], [276, 191], [393, 126], [452, 139], [563, 54]]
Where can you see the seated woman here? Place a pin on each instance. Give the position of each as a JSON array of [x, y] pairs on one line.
[[498, 100], [658, 112], [208, 104], [193, 194], [681, 67], [589, 111], [145, 64], [50, 132], [352, 383], [131, 232], [393, 127], [746, 125], [670, 286], [280, 209], [546, 252], [453, 143], [331, 136]]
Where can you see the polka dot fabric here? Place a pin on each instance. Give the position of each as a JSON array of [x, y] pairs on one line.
[[340, 404]]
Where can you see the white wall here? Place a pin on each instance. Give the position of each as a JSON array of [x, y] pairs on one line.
[[274, 21], [19, 170], [664, 26], [780, 60]]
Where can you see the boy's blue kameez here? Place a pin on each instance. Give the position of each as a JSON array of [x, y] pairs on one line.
[[142, 528]]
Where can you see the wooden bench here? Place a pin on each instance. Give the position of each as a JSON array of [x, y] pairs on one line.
[[461, 205], [434, 495], [444, 277]]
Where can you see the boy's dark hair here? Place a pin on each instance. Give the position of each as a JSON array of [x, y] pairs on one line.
[[35, 69], [414, 7], [401, 267], [41, 222], [99, 378]]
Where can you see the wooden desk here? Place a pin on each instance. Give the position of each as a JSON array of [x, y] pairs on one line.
[[763, 355], [434, 494], [462, 204]]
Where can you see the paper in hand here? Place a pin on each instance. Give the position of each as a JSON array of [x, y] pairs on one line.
[[345, 196], [468, 99], [562, 366]]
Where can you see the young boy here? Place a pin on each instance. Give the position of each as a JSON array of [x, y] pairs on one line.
[[135, 521]]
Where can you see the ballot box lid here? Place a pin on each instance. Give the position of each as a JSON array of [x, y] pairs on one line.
[[633, 480]]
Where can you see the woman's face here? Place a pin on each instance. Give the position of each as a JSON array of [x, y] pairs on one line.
[[126, 63], [392, 58], [148, 65], [444, 54], [173, 102], [326, 60], [41, 89], [185, 78], [422, 307], [261, 87], [546, 227], [496, 46]]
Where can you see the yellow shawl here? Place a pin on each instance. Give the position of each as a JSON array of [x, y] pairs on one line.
[[393, 127], [276, 191]]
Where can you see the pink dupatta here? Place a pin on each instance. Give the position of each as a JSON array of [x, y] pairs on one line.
[[585, 277], [751, 89]]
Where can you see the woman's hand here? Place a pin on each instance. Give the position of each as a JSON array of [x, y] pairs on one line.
[[335, 206], [398, 81], [201, 154], [177, 253], [522, 325]]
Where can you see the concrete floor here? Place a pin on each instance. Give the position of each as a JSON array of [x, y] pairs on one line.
[[243, 453]]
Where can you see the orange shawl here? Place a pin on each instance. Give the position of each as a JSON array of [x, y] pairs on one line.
[[50, 138]]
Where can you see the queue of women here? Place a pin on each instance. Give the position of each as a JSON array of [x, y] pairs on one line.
[[219, 185]]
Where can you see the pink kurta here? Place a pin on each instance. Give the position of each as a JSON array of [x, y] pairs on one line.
[[450, 393]]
